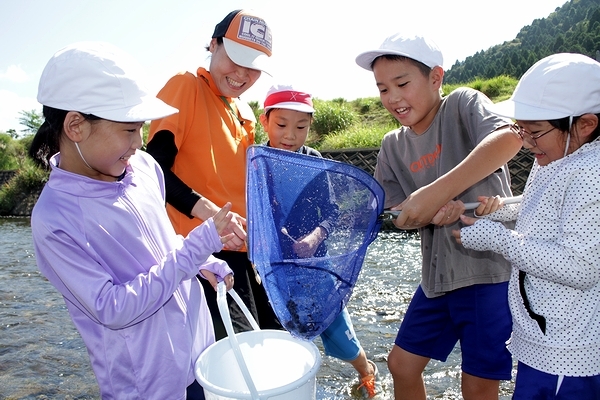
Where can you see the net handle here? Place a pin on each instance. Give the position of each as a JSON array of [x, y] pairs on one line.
[[506, 200], [468, 206]]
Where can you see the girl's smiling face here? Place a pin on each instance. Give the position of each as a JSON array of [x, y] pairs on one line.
[[550, 143], [106, 147], [287, 129], [231, 79], [411, 97]]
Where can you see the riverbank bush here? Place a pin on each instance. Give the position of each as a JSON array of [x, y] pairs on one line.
[[29, 179], [12, 151]]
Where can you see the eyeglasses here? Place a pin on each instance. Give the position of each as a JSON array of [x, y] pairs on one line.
[[528, 137]]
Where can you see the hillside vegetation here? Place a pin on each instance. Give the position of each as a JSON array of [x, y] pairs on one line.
[[572, 28]]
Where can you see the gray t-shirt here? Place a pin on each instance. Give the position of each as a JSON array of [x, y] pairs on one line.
[[408, 161]]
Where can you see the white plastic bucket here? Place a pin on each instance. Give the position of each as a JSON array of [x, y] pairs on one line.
[[259, 364]]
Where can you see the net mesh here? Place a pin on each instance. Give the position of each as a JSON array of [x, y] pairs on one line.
[[291, 199]]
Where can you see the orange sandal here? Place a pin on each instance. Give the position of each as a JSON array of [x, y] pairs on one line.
[[367, 383]]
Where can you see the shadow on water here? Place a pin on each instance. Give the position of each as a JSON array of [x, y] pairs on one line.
[[43, 357]]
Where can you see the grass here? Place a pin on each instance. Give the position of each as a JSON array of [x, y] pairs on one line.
[[497, 89], [29, 178], [371, 121], [357, 136]]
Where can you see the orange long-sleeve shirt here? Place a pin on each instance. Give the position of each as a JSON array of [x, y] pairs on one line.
[[212, 134]]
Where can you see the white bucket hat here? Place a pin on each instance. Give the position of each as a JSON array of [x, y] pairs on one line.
[[416, 47], [99, 79], [558, 86], [285, 96]]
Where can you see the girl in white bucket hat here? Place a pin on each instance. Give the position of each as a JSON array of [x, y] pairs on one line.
[[102, 236], [554, 289]]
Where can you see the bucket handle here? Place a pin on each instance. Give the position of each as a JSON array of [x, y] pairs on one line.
[[224, 311], [243, 307]]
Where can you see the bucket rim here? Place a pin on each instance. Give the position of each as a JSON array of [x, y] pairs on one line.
[[263, 394]]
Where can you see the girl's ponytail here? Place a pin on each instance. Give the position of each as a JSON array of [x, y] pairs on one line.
[[47, 139]]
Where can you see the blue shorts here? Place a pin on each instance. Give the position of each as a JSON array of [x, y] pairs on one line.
[[534, 384], [339, 339], [478, 316]]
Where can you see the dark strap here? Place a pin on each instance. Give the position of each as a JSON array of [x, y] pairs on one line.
[[233, 112], [537, 317]]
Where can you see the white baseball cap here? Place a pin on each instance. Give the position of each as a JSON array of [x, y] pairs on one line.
[[285, 96], [416, 47], [99, 79], [558, 86], [247, 39]]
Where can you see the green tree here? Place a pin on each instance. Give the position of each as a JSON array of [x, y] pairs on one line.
[[260, 136], [594, 17], [12, 133], [31, 120]]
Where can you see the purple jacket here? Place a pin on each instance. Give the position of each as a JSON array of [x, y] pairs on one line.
[[127, 278]]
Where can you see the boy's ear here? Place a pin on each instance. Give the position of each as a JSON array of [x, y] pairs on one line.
[[73, 126], [437, 76], [263, 121]]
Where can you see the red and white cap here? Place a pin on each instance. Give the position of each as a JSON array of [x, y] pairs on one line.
[[285, 96]]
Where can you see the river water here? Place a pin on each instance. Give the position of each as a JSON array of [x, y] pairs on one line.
[[43, 357]]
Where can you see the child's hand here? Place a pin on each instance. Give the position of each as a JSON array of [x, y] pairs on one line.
[[465, 220], [222, 220], [449, 213], [213, 280], [306, 246], [228, 281], [488, 205], [419, 208]]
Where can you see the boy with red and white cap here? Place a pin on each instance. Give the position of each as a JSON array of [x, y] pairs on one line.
[[202, 151], [448, 151], [286, 119]]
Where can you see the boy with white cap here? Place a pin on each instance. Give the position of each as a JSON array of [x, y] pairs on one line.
[[286, 119], [202, 150], [448, 151], [554, 290], [102, 236]]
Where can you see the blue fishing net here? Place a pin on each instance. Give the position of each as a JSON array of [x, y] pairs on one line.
[[292, 199]]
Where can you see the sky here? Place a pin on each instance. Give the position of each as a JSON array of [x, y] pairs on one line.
[[315, 42]]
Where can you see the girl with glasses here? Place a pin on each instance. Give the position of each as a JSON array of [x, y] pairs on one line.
[[554, 289]]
